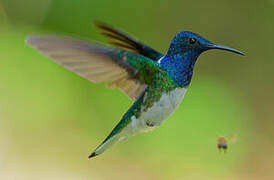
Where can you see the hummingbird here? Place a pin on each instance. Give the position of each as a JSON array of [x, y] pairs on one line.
[[157, 82]]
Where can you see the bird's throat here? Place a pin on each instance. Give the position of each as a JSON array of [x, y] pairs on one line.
[[179, 67]]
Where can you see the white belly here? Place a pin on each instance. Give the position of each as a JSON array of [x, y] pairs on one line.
[[149, 118], [155, 115], [163, 108]]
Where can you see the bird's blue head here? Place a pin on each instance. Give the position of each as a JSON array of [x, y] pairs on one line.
[[189, 43], [183, 52]]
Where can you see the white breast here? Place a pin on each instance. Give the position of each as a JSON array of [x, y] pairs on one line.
[[155, 115], [163, 108]]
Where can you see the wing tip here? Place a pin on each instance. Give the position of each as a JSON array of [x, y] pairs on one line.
[[97, 22], [31, 39], [100, 24]]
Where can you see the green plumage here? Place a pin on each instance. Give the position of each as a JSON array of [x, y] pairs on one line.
[[150, 73]]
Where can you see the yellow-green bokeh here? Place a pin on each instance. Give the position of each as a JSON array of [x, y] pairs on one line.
[[51, 119]]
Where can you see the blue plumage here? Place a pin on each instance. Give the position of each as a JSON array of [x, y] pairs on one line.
[[182, 54]]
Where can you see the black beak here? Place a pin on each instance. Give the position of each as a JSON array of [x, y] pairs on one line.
[[216, 46]]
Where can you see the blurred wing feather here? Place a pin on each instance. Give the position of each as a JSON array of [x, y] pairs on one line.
[[125, 41], [93, 62]]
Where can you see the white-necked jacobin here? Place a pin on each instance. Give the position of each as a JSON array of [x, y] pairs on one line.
[[156, 81]]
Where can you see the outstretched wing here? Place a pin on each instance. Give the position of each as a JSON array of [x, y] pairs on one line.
[[123, 40], [128, 71]]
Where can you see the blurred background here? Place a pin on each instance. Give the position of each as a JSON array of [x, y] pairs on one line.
[[51, 119]]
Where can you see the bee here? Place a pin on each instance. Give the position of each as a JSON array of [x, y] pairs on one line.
[[222, 142]]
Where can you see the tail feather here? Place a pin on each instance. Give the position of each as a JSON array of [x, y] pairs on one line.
[[92, 155], [113, 137], [105, 144], [121, 131]]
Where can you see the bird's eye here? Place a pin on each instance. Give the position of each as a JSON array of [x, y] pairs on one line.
[[192, 41]]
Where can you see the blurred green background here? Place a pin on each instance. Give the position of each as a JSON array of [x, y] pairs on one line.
[[51, 119]]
